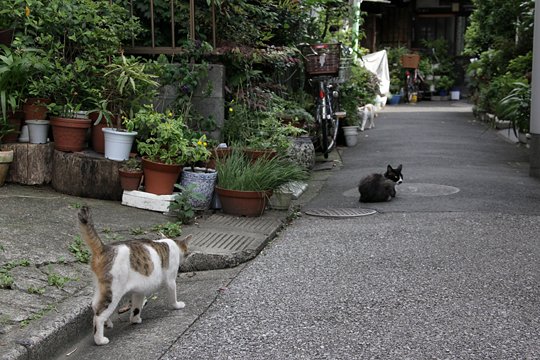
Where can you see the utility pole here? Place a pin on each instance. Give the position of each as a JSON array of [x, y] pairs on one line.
[[535, 98]]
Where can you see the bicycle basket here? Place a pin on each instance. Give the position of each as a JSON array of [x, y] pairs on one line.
[[321, 59], [410, 61]]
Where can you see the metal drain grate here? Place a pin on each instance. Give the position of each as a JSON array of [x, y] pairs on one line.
[[211, 240], [340, 213]]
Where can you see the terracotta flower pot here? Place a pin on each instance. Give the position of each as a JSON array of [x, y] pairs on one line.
[[97, 136], [15, 121], [6, 158], [130, 180], [218, 153], [254, 155], [35, 109], [160, 178], [243, 203], [69, 134]]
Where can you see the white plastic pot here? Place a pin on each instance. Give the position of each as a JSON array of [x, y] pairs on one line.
[[118, 143], [351, 135], [37, 131]]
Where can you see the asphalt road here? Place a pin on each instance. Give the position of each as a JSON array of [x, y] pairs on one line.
[[447, 270]]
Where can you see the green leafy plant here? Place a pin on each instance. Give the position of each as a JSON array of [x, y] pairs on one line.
[[14, 75], [181, 205], [6, 279], [359, 90], [133, 164], [163, 137], [170, 229], [36, 290], [55, 279], [38, 315], [444, 83], [79, 250], [236, 172], [137, 231], [127, 86], [516, 107]]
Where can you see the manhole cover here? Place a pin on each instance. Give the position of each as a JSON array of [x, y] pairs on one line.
[[417, 189], [420, 189], [340, 213]]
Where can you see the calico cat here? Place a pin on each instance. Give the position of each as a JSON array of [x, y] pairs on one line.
[[380, 187], [137, 267]]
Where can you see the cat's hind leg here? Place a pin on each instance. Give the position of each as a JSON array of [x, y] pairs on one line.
[[99, 322], [137, 303], [171, 289]]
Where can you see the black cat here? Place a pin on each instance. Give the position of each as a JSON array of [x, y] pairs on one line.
[[380, 187]]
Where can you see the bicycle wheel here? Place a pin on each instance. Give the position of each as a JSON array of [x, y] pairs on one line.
[[330, 127], [322, 137]]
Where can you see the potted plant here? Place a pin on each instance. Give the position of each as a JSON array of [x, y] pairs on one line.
[[270, 138], [127, 87], [6, 158], [69, 121], [516, 107], [130, 173], [39, 87], [163, 145], [444, 84], [200, 179], [245, 186], [14, 66]]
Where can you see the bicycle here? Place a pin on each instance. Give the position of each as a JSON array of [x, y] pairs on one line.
[[322, 64]]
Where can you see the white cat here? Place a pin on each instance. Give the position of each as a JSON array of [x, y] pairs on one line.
[[365, 112], [137, 267]]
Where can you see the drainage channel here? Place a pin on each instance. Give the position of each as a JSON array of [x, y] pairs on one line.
[[339, 213]]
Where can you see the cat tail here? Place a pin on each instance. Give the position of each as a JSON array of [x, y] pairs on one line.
[[183, 244], [88, 231]]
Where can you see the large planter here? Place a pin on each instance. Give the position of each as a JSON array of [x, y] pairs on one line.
[[35, 109], [69, 134], [118, 143], [37, 131], [6, 158], [243, 203], [302, 152], [351, 135], [130, 180], [204, 181], [160, 178], [281, 199], [395, 99]]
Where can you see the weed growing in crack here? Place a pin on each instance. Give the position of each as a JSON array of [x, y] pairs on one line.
[[38, 315], [55, 279], [6, 279], [36, 290], [79, 250]]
